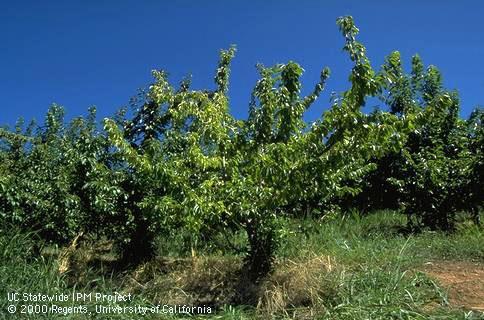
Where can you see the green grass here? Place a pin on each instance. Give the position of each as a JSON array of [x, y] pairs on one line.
[[372, 273], [380, 238]]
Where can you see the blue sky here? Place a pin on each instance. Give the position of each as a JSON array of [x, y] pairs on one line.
[[83, 53]]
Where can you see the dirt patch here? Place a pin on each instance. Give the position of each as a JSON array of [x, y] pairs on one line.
[[464, 282]]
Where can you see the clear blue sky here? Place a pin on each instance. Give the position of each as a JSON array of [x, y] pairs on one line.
[[82, 53]]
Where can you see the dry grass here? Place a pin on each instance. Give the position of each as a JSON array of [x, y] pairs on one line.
[[66, 256], [197, 281], [295, 287]]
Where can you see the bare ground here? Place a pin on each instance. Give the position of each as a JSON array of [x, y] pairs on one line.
[[464, 282]]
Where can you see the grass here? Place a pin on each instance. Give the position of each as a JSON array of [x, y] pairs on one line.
[[352, 268]]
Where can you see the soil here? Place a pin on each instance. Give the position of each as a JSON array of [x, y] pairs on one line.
[[464, 282]]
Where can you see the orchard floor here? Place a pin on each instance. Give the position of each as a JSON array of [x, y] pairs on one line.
[[345, 268]]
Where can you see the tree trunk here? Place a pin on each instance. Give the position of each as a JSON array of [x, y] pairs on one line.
[[262, 246]]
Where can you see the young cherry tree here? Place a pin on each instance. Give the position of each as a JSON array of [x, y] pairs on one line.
[[204, 170]]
